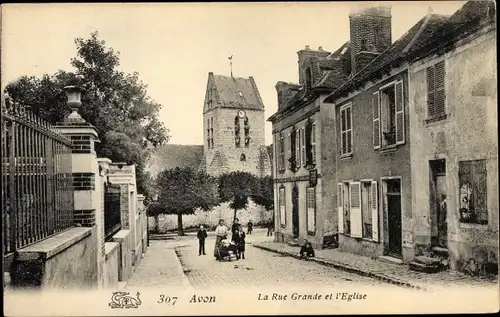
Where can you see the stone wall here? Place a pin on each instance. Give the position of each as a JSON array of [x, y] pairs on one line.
[[68, 260], [254, 212], [111, 264]]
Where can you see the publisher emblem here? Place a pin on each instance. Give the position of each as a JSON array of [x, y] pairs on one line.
[[124, 300]]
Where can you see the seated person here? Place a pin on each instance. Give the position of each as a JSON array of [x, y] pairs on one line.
[[306, 250]]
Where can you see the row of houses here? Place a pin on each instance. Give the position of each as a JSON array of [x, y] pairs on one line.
[[391, 146]]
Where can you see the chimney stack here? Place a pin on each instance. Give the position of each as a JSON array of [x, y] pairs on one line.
[[371, 33]]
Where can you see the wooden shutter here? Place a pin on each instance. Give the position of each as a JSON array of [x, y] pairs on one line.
[[355, 210], [297, 148], [340, 208], [376, 120], [431, 109], [303, 146], [400, 113], [374, 207], [308, 142], [439, 95], [313, 143]]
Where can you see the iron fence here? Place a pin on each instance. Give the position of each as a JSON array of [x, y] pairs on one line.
[[112, 213], [37, 185]]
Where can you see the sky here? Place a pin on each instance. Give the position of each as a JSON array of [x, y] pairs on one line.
[[173, 46]]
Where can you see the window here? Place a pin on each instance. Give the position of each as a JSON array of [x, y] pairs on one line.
[[346, 129], [435, 91], [313, 143], [298, 141], [472, 191], [237, 138], [210, 133], [311, 211], [247, 132], [303, 146], [282, 207], [308, 78], [280, 99], [289, 147], [282, 153], [293, 150], [388, 116], [357, 204], [243, 157]]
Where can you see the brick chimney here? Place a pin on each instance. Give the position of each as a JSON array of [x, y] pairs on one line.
[[304, 56], [370, 35]]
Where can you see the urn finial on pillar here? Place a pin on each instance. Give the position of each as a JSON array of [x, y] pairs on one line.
[[74, 94]]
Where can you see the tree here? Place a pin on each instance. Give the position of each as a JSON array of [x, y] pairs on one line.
[[183, 190], [237, 188], [116, 103], [265, 196], [155, 210]]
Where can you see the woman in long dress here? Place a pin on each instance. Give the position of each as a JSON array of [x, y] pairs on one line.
[[220, 234]]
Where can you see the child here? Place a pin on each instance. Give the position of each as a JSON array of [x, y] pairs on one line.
[[306, 250], [239, 240], [270, 228], [202, 235]]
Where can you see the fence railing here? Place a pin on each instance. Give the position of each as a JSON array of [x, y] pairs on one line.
[[112, 212], [37, 184]]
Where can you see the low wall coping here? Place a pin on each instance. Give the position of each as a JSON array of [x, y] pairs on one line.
[[49, 247], [110, 248], [121, 235]]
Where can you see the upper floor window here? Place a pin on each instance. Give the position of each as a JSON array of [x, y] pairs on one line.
[[346, 129], [388, 115], [289, 147], [308, 78], [247, 132], [280, 98], [313, 143], [243, 157], [237, 137], [210, 133], [435, 91], [298, 141], [282, 153]]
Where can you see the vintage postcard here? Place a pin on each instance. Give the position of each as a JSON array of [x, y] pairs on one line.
[[163, 159]]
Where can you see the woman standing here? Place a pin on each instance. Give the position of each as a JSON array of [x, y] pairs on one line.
[[220, 234]]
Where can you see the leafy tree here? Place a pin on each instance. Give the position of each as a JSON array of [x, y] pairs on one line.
[[154, 209], [265, 195], [237, 188], [116, 103], [182, 190]]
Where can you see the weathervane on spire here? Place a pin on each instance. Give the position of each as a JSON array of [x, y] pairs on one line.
[[231, 64]]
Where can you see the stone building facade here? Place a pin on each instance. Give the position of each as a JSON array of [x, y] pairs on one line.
[[454, 139], [372, 149], [302, 199]]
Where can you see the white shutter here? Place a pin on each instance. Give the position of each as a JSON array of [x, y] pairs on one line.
[[297, 148], [340, 208], [355, 210], [376, 120], [374, 207], [400, 113]]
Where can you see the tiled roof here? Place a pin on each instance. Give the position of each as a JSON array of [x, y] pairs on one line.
[[419, 33], [169, 156], [333, 76], [237, 92], [468, 19]]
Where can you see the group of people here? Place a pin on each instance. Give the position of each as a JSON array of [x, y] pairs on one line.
[[237, 236]]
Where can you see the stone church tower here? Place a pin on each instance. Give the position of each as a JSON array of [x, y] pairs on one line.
[[233, 127]]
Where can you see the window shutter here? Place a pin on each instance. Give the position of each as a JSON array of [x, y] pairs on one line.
[[293, 144], [431, 109], [308, 142], [439, 95], [303, 146], [376, 120], [340, 208], [313, 144], [374, 207], [297, 149], [355, 211], [400, 113]]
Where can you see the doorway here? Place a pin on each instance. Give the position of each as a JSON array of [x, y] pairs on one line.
[[393, 198], [437, 200], [295, 211]]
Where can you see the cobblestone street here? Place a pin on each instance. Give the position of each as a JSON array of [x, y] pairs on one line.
[[161, 267]]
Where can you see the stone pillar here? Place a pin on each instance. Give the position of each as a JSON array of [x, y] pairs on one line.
[[103, 172], [85, 171], [143, 222]]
